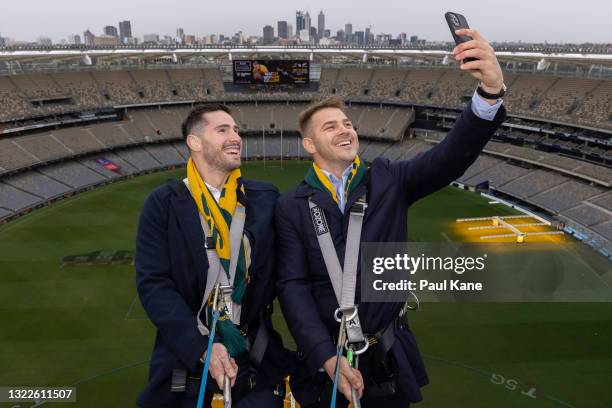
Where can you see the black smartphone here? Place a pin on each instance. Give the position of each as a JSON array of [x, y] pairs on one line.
[[457, 21]]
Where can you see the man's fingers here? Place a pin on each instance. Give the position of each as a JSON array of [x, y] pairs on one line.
[[345, 388], [470, 33], [473, 53], [359, 381], [478, 65], [473, 44], [229, 369], [219, 378], [353, 376]]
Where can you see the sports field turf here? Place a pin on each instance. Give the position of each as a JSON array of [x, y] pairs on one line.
[[84, 326]]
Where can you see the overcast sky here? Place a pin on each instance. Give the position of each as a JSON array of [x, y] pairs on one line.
[[498, 20]]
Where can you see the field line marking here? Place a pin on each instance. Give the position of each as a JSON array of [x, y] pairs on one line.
[[130, 308]]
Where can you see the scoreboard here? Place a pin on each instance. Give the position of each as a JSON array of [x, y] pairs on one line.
[[271, 72]]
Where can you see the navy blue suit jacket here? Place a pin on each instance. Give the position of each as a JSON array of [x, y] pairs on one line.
[[171, 268], [305, 290]]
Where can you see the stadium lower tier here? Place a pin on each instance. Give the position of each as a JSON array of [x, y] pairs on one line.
[[584, 205]]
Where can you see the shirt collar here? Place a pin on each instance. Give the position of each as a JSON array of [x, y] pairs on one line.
[[334, 179]]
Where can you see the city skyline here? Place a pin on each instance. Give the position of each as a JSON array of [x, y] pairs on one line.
[[543, 21]]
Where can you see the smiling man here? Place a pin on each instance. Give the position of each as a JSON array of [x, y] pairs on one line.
[[212, 227], [341, 203]]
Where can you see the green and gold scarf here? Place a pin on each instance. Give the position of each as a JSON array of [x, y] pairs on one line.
[[218, 217], [317, 179]]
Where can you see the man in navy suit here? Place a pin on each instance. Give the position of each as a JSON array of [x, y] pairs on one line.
[[172, 269], [391, 371]]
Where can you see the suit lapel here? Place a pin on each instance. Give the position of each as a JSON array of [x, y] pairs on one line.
[[189, 220], [320, 198]]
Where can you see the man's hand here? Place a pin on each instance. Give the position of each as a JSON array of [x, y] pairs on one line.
[[221, 365], [348, 377], [486, 68]]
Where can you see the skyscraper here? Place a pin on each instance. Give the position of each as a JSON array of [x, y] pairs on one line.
[[359, 38], [321, 25], [74, 39], [282, 29], [340, 36], [268, 35], [88, 37], [366, 39], [348, 32], [299, 21], [307, 23], [125, 31], [180, 35], [111, 30]]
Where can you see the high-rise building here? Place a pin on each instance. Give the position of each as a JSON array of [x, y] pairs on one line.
[[125, 31], [180, 35], [88, 38], [307, 24], [111, 30], [74, 39], [414, 39], [289, 31], [150, 38], [282, 29], [367, 40], [340, 36], [190, 39], [299, 21], [359, 38], [327, 33], [321, 25], [348, 33], [106, 40], [268, 35], [403, 38], [313, 34], [304, 35]]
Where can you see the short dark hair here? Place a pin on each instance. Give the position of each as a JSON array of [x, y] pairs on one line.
[[307, 114], [195, 120]]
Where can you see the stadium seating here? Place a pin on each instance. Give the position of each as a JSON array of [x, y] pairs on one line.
[[572, 100], [37, 184], [149, 138]]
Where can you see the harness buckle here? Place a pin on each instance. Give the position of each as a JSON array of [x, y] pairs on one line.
[[339, 312], [359, 207]]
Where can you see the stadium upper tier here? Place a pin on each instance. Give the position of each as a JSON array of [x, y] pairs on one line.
[[581, 101]]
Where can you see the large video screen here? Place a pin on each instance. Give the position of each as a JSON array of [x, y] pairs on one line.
[[270, 72]]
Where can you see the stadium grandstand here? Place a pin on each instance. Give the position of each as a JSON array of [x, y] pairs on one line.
[[74, 118]]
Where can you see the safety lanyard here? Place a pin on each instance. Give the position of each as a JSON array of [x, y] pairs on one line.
[[215, 268], [343, 279]]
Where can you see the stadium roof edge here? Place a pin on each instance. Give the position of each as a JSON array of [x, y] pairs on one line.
[[312, 53]]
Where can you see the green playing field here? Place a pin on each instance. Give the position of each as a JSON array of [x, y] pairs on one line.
[[82, 325]]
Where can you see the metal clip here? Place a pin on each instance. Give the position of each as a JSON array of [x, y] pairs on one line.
[[338, 317]]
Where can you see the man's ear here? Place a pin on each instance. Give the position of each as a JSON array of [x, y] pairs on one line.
[[194, 143], [308, 145]]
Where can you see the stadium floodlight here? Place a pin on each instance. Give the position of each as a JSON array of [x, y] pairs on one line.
[[543, 64], [87, 59]]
